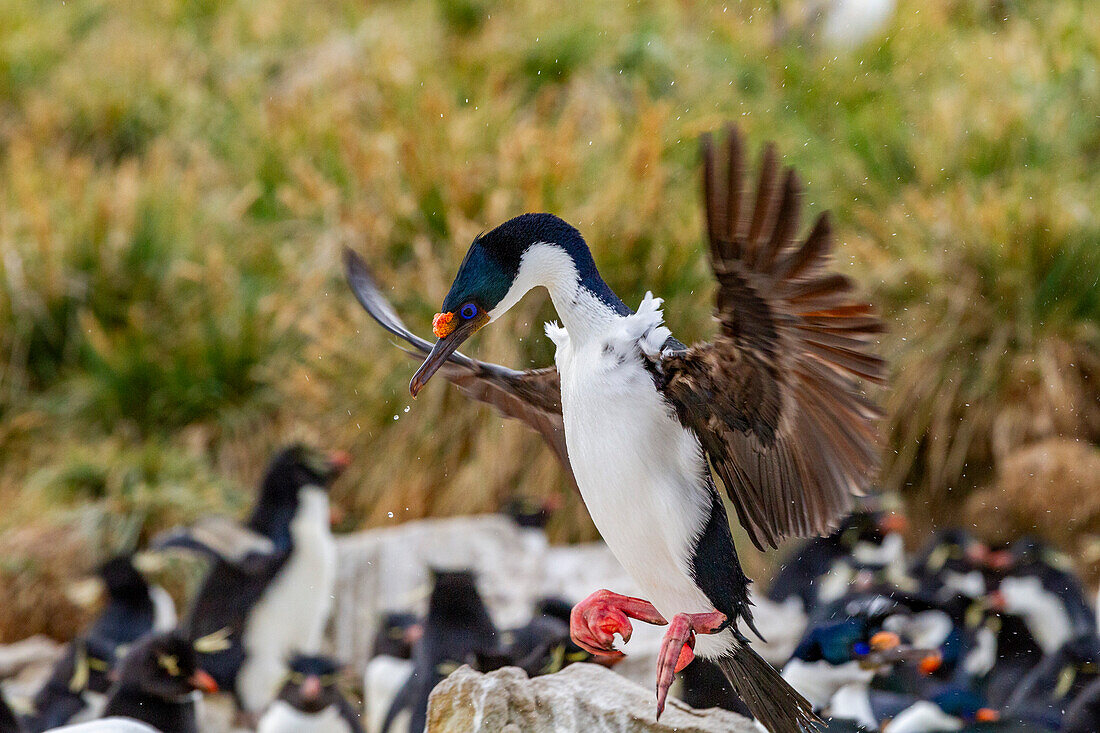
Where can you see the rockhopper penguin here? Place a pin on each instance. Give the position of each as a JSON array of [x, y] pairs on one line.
[[156, 684], [269, 591], [310, 700]]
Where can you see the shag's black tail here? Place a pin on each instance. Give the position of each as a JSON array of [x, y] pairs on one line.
[[772, 701]]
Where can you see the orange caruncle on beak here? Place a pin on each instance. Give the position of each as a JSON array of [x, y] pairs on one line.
[[443, 324]]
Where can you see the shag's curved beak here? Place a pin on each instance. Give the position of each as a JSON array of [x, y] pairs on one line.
[[452, 331]]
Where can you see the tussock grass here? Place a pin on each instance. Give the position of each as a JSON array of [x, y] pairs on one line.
[[177, 180]]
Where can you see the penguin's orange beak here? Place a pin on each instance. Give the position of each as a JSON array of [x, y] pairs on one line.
[[930, 663], [893, 523], [201, 680], [339, 460], [311, 688]]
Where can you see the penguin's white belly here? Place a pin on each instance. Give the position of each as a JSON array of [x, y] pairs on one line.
[[292, 613], [94, 703], [640, 474], [818, 681], [282, 717], [383, 679]]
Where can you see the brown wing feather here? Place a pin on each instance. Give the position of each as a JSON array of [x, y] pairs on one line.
[[775, 398], [533, 397]]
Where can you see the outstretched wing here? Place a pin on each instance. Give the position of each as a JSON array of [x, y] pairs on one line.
[[775, 399], [223, 539], [532, 396]]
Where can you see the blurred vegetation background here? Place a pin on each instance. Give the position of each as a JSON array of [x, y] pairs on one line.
[[178, 177]]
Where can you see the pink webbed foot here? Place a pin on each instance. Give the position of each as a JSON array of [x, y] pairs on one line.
[[678, 647], [594, 621]]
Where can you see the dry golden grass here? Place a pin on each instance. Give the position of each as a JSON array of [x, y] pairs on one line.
[[177, 180]]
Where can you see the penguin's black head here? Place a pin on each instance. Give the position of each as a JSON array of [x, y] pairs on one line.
[[122, 579], [952, 549], [297, 466], [164, 666], [398, 631], [529, 513], [868, 526], [312, 683], [487, 283], [455, 594]]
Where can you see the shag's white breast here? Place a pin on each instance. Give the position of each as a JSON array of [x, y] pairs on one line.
[[281, 717], [639, 471], [291, 615]]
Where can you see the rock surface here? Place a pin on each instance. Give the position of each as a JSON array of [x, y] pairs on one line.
[[582, 697]]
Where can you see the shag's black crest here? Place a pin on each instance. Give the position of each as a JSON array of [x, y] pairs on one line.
[[493, 260]]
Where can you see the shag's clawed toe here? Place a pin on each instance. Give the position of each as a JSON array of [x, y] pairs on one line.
[[678, 648], [594, 621]]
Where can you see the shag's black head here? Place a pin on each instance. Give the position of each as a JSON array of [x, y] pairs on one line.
[[297, 466], [492, 262], [163, 666], [122, 579], [312, 683], [487, 274]]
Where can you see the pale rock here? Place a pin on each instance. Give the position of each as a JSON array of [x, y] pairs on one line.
[[582, 697]]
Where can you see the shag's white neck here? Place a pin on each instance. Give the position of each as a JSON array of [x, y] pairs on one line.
[[543, 264]]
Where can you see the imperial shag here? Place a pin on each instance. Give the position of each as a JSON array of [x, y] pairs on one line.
[[773, 404]]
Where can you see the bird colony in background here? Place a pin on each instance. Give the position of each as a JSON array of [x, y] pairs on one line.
[[959, 637]]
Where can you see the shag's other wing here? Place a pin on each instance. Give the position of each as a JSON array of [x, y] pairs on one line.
[[775, 399], [222, 539], [532, 396]]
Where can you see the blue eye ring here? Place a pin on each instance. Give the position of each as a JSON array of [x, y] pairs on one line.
[[862, 649], [468, 311]]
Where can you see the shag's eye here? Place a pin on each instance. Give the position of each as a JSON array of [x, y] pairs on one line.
[[468, 311], [861, 648]]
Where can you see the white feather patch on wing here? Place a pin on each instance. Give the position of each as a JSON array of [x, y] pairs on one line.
[[556, 333], [642, 328]]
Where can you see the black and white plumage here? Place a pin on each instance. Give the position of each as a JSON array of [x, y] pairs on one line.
[[269, 591], [1047, 691], [456, 630], [1039, 586], [310, 700], [9, 722], [157, 682], [773, 404], [77, 685]]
